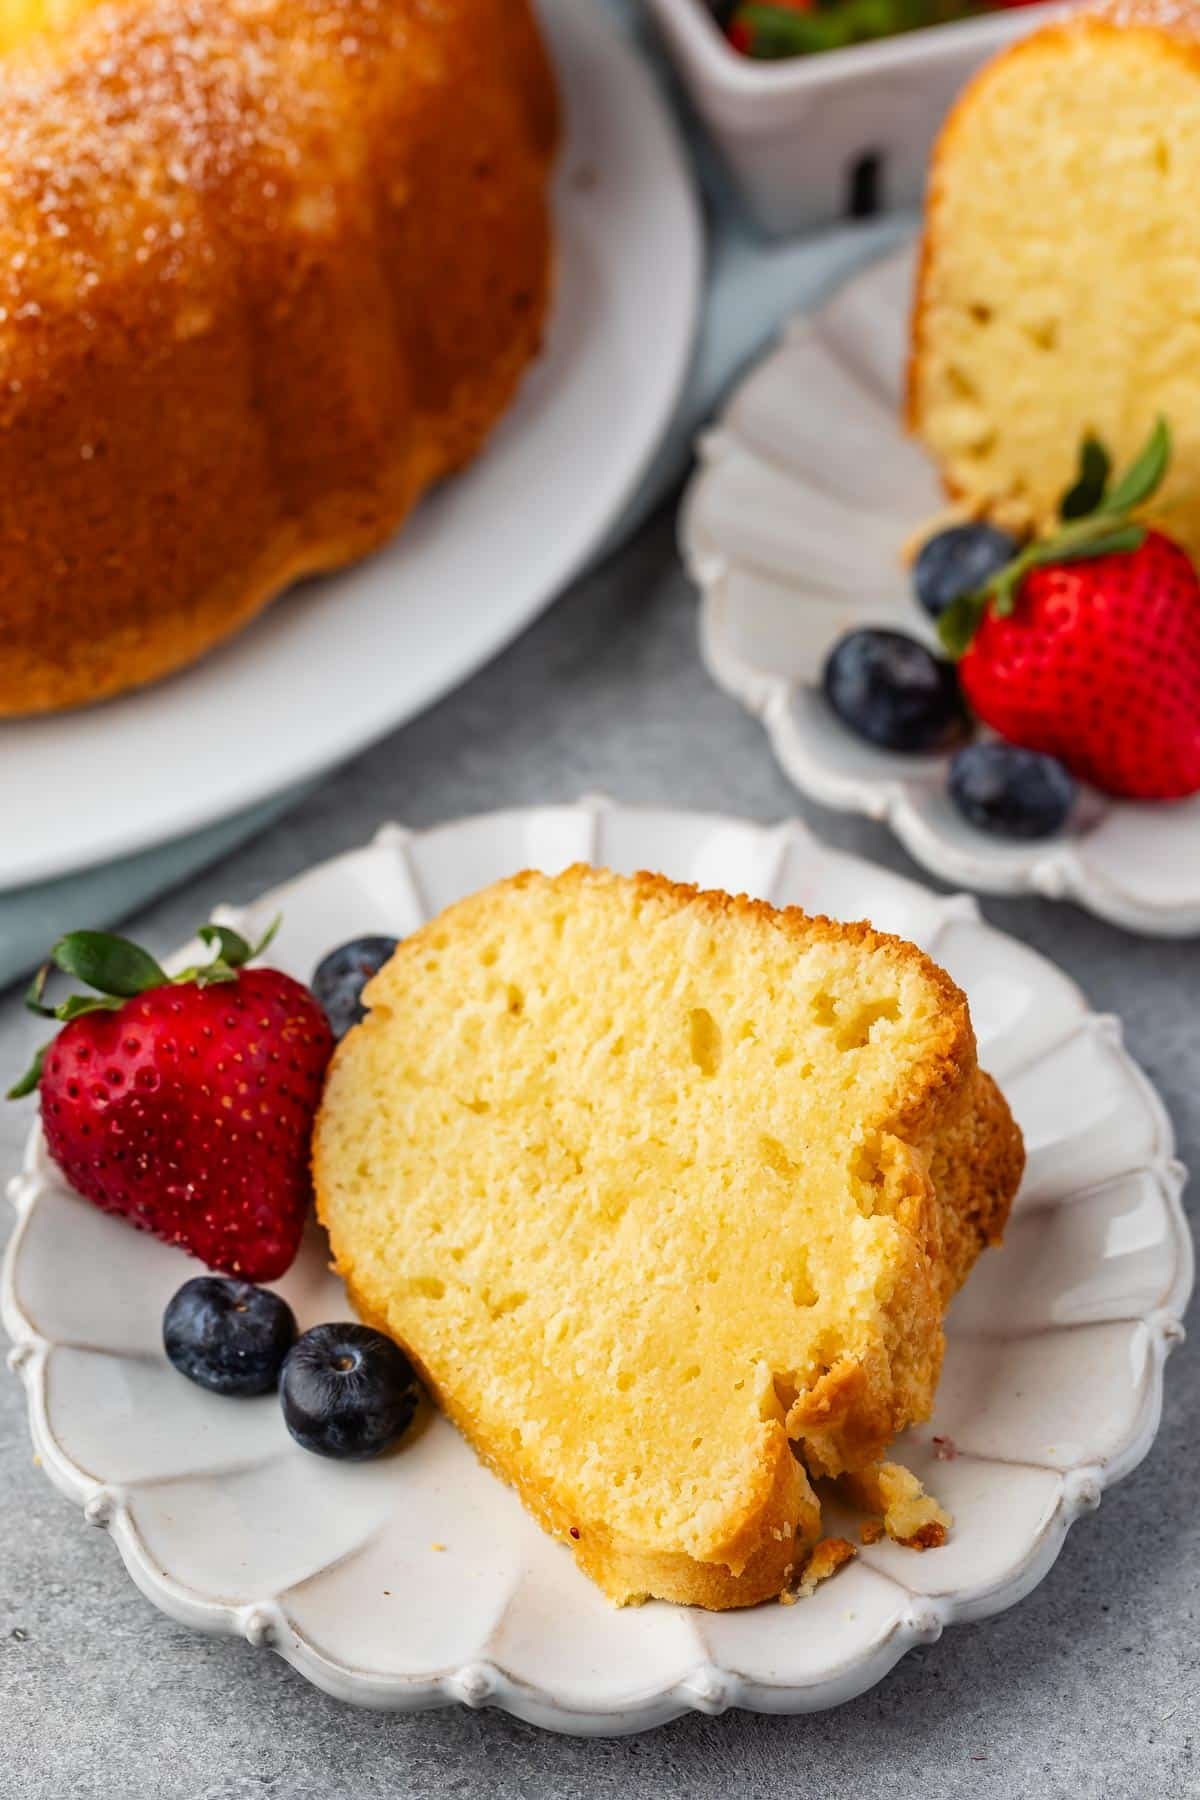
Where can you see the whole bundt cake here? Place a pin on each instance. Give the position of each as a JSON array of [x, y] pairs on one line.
[[268, 268], [1059, 291]]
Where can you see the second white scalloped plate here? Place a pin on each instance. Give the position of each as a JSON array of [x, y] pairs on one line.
[[419, 1579], [793, 530]]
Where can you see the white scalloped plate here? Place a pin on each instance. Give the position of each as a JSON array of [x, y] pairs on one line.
[[793, 530], [1052, 1387]]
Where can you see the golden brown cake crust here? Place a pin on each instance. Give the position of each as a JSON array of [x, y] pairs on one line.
[[953, 1124], [268, 268], [949, 1181]]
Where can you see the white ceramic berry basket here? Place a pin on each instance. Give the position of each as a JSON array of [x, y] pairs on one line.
[[811, 138], [793, 529], [419, 1579]]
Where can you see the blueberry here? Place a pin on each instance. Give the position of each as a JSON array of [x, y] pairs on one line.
[[229, 1336], [957, 562], [340, 977], [893, 691], [347, 1391], [1012, 793]]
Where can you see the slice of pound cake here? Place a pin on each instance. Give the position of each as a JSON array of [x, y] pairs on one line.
[[1060, 274], [666, 1193]]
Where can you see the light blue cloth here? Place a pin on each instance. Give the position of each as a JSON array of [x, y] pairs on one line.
[[752, 286]]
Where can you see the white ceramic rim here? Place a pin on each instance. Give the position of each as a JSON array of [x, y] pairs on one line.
[[707, 1688], [613, 97], [1058, 869]]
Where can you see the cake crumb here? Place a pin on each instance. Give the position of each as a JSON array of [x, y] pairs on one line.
[[871, 1531], [910, 1516], [437, 1546], [827, 1558], [945, 1449]]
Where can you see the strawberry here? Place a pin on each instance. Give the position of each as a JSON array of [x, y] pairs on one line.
[[185, 1105], [1087, 645]]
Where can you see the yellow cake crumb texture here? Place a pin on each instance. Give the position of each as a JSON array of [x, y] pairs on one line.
[[907, 1514], [828, 1556], [1060, 265], [665, 1192]]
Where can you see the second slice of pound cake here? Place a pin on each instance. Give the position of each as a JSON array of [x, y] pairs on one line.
[[1057, 292], [666, 1192]]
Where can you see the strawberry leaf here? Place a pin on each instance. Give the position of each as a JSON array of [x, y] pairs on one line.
[[233, 952], [1144, 475], [30, 1078], [1004, 588], [1106, 543], [268, 936], [77, 1004], [233, 949], [209, 974], [111, 964], [1087, 492], [34, 992], [958, 624], [119, 970], [1093, 524]]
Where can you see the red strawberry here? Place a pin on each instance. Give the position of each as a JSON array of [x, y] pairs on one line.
[[1099, 665], [1087, 646], [186, 1106]]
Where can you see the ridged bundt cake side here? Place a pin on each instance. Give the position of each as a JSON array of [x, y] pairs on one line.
[[268, 268], [1061, 264]]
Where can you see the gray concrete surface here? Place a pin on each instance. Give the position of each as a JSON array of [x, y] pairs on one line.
[[1091, 1687]]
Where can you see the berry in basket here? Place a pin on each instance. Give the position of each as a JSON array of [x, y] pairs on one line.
[[769, 30]]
